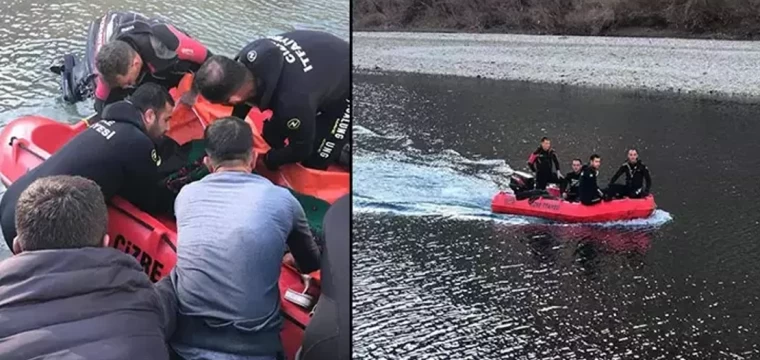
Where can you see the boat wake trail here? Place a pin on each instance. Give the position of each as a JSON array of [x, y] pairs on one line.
[[406, 181]]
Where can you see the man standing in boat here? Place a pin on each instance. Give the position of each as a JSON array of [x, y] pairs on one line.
[[588, 189], [636, 175], [569, 185], [304, 78], [144, 50], [541, 161]]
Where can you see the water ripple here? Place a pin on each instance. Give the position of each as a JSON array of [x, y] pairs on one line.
[[436, 276], [35, 35]]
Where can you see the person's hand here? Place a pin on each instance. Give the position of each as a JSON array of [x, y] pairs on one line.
[[564, 195], [559, 175], [288, 260]]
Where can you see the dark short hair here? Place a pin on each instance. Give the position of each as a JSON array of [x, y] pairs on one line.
[[576, 159], [228, 139], [594, 156], [634, 149], [61, 212], [151, 96], [545, 139], [113, 59], [219, 78]]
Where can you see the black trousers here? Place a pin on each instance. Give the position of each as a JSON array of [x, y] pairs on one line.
[[619, 191], [591, 198], [543, 179], [323, 338], [332, 134]]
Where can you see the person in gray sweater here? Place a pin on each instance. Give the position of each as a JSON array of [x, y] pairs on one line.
[[68, 296], [233, 228]]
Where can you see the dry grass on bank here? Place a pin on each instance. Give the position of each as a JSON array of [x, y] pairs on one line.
[[731, 18]]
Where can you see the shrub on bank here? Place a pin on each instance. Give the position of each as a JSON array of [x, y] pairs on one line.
[[732, 18]]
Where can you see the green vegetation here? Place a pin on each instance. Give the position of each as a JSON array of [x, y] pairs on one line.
[[734, 19]]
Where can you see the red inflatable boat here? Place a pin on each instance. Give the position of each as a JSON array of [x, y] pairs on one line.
[[574, 212], [27, 141]]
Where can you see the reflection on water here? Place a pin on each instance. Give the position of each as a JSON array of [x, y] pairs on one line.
[[436, 276], [35, 34]]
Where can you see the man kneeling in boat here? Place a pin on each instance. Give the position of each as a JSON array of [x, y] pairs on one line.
[[304, 78], [569, 185], [588, 189], [233, 229], [118, 153], [636, 174], [67, 294], [144, 50]]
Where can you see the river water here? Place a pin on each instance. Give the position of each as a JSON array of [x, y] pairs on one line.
[[436, 276], [35, 34]]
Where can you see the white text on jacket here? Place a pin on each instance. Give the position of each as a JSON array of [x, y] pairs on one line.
[[102, 127], [290, 46]]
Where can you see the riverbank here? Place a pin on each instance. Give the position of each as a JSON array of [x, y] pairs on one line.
[[734, 19], [711, 68]]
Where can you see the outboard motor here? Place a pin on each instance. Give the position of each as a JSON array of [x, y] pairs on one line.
[[523, 185], [521, 181], [77, 82], [78, 76]]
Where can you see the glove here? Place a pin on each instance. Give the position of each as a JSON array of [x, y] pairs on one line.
[[269, 164], [559, 174]]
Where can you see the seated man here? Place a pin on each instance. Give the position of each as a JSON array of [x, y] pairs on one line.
[[569, 185], [144, 50], [541, 161], [233, 228], [328, 335], [636, 174], [588, 189], [304, 78], [117, 153], [68, 295]]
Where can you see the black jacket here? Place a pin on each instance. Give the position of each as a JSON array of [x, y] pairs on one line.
[[298, 74], [115, 152], [635, 176], [588, 190], [541, 161], [328, 335], [570, 183], [87, 303], [167, 53]]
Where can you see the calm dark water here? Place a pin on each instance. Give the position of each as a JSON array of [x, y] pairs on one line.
[[436, 276]]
